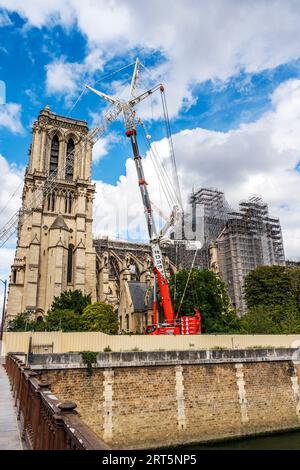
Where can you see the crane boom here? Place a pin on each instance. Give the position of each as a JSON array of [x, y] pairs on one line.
[[50, 182], [158, 263], [172, 326]]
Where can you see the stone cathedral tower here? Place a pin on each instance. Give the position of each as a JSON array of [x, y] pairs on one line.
[[55, 246]]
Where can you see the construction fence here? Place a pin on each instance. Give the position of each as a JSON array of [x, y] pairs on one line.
[[58, 342]]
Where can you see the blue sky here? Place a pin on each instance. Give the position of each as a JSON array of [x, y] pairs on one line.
[[232, 78], [25, 54]]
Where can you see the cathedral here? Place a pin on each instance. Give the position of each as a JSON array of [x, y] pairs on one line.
[[56, 250], [55, 247]]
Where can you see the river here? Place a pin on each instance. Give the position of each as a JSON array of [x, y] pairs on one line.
[[286, 441]]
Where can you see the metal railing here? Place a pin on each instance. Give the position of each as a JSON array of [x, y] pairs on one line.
[[46, 424]]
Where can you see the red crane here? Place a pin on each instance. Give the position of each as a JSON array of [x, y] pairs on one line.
[[189, 324]]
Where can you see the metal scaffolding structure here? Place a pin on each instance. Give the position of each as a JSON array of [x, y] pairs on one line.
[[202, 222], [233, 242], [249, 239], [209, 213]]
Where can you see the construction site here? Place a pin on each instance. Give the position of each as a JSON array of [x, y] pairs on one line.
[[233, 242], [56, 250]]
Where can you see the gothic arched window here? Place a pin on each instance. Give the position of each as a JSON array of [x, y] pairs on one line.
[[51, 202], [70, 264], [54, 154], [134, 271], [70, 160], [68, 203]]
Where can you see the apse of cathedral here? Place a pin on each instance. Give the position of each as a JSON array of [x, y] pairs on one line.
[[55, 248]]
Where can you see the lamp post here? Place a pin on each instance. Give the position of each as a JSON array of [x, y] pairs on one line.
[[3, 309]]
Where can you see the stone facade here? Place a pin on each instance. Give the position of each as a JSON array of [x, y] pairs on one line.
[[55, 246], [122, 267], [143, 405]]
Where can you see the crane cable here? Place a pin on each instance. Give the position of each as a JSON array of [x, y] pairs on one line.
[[160, 169], [175, 275], [21, 213], [155, 163], [188, 279], [159, 174], [97, 81], [70, 111], [11, 197], [77, 101], [165, 173], [170, 142], [171, 146], [9, 228]]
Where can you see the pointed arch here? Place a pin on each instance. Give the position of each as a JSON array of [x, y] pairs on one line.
[[70, 263], [68, 199], [69, 174], [54, 154], [134, 270], [51, 201]]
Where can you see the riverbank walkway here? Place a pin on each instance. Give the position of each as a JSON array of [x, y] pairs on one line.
[[10, 438]]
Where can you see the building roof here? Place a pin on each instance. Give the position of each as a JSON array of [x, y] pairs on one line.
[[141, 295], [62, 120], [60, 223]]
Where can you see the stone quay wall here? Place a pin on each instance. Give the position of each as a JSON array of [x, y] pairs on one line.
[[155, 399]]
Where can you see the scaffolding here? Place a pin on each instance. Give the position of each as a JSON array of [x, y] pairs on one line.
[[209, 213], [250, 238], [236, 242], [202, 222]]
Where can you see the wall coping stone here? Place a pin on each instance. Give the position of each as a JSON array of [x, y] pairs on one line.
[[164, 358]]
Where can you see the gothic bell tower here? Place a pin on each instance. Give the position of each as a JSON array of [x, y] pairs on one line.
[[55, 246]]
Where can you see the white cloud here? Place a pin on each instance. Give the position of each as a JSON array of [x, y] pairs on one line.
[[199, 40], [7, 256], [40, 13], [4, 19], [118, 209], [100, 149], [10, 117], [257, 158], [11, 182], [67, 78], [62, 77]]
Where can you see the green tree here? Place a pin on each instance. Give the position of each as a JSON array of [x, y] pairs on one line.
[[71, 300], [23, 322], [295, 282], [271, 319], [100, 317], [291, 323], [207, 292], [63, 320], [259, 320], [271, 285]]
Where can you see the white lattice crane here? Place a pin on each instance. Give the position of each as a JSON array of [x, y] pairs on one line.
[[127, 108]]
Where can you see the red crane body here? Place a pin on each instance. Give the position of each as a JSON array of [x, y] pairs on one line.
[[188, 324]]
